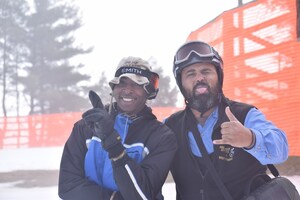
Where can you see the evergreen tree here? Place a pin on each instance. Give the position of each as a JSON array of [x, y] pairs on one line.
[[167, 95], [52, 81], [102, 88]]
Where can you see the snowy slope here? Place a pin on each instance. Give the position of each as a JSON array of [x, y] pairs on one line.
[[12, 188]]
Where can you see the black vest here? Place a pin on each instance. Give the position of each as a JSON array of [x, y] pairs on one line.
[[235, 166]]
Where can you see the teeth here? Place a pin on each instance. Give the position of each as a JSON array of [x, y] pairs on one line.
[[127, 99]]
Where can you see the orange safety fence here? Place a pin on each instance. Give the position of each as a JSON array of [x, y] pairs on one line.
[[260, 48], [48, 130]]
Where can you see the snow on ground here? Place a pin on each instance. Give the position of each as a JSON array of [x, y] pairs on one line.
[[48, 159], [38, 159]]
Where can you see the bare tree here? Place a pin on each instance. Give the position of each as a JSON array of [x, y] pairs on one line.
[[12, 31]]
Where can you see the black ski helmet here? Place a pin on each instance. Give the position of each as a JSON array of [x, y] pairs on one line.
[[196, 52]]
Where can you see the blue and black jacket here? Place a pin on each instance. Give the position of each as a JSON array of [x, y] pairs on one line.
[[235, 166], [86, 171]]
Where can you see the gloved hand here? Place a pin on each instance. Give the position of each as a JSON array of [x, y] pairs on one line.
[[99, 120]]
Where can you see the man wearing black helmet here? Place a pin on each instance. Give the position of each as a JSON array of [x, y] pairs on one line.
[[120, 151], [235, 136]]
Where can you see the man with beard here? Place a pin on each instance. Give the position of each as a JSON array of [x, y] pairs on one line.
[[119, 152], [235, 136]]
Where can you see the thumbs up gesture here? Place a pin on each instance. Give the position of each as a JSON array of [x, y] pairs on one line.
[[234, 133]]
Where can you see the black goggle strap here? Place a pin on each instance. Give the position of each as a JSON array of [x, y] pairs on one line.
[[153, 77], [133, 70]]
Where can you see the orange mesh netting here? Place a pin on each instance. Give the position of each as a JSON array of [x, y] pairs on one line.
[[259, 45], [260, 48], [47, 130]]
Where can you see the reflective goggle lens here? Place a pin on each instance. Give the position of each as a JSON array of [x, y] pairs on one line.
[[154, 79], [202, 49]]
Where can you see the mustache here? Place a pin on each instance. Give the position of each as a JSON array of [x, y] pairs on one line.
[[201, 84]]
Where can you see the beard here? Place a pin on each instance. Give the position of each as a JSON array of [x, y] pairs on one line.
[[202, 102]]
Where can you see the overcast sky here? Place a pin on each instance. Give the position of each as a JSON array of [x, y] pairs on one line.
[[156, 28]]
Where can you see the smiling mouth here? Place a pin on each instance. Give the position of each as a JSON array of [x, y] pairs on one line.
[[127, 99]]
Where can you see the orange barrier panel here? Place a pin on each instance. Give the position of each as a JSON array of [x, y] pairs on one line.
[[47, 130], [259, 44], [36, 130]]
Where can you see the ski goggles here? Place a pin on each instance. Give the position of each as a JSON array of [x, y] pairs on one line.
[[148, 79], [198, 48], [152, 77]]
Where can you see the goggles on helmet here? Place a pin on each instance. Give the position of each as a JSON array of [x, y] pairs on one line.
[[151, 88], [195, 50], [134, 70]]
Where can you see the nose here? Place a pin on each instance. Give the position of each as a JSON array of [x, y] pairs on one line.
[[127, 89], [200, 77]]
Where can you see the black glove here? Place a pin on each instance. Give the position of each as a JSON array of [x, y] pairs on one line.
[[99, 120]]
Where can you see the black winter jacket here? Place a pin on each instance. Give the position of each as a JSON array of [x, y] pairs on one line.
[[150, 174], [235, 166]]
